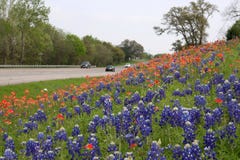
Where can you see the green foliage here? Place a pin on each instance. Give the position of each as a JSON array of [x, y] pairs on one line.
[[234, 31], [132, 49]]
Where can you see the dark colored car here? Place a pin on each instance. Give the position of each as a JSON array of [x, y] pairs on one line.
[[110, 68], [85, 64]]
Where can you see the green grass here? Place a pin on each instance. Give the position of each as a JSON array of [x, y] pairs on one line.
[[36, 87]]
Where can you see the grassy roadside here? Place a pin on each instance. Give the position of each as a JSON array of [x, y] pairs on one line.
[[36, 87]]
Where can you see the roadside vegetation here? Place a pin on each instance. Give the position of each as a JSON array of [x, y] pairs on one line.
[[173, 107]]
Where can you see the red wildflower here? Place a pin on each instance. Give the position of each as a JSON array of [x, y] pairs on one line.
[[60, 116], [7, 122], [133, 145], [89, 146], [218, 100]]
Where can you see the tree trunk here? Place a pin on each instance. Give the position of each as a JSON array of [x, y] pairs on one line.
[[22, 48]]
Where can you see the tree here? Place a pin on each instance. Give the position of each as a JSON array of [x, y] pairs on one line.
[[77, 48], [132, 49], [6, 30], [28, 14], [177, 46], [234, 31], [189, 21]]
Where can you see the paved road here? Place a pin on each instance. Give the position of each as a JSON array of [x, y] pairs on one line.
[[23, 75]]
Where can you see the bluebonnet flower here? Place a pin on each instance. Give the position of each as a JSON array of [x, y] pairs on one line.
[[236, 88], [50, 155], [92, 127], [47, 145], [200, 101], [155, 152], [135, 98], [149, 96], [100, 87], [209, 120], [177, 152], [189, 133], [204, 89], [75, 130], [9, 154], [177, 92], [218, 78], [231, 131], [217, 114], [40, 116], [183, 80], [126, 119], [107, 104], [177, 75], [196, 151], [232, 78], [77, 109], [210, 139], [55, 97], [175, 119], [146, 128], [9, 143], [195, 115], [167, 79], [63, 110], [226, 86], [197, 85], [233, 110], [209, 153], [187, 152], [40, 136], [112, 147], [165, 116], [92, 139], [188, 91], [129, 138], [80, 99], [60, 134], [32, 147], [31, 125], [86, 108]]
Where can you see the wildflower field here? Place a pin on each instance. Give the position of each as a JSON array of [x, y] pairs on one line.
[[181, 106]]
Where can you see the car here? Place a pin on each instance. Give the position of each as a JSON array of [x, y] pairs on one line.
[[110, 68], [85, 64], [127, 65]]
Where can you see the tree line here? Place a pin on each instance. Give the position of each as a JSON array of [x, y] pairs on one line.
[[26, 37]]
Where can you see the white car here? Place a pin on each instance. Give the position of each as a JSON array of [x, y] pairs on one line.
[[127, 65]]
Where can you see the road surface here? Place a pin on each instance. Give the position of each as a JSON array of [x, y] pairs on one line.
[[10, 76]]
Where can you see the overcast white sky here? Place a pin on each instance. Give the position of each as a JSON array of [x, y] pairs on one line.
[[116, 20]]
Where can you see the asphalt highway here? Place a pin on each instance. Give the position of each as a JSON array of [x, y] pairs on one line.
[[10, 76]]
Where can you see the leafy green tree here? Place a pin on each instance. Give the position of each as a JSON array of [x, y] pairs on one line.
[[132, 49], [6, 30], [190, 22], [77, 48], [234, 31], [28, 14]]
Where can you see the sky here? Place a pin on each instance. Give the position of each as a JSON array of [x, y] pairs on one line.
[[116, 20]]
